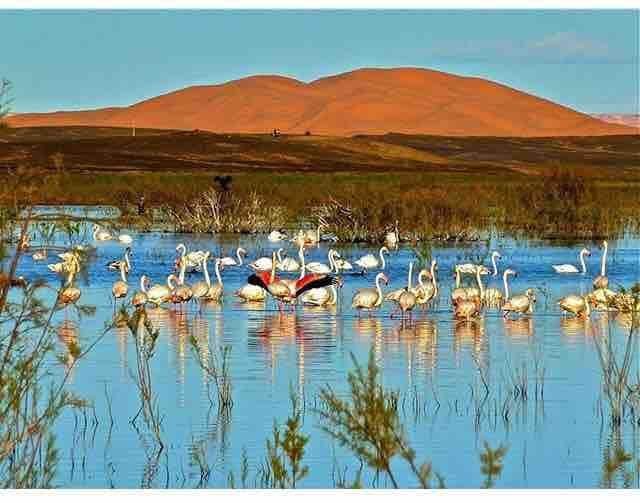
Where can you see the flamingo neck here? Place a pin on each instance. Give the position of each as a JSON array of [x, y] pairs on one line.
[[170, 279], [143, 287], [123, 275], [334, 294], [506, 284], [433, 276], [302, 263], [584, 266], [495, 266], [183, 267], [273, 268], [126, 259], [603, 265], [205, 268], [457, 278], [95, 232], [410, 276], [332, 263], [382, 258], [239, 254], [379, 289], [183, 249], [479, 280], [218, 276], [278, 254]]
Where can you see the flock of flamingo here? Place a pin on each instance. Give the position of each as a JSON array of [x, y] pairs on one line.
[[316, 283]]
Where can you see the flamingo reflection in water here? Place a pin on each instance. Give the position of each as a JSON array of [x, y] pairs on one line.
[[68, 334], [519, 328]]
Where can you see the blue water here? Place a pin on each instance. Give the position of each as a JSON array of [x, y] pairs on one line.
[[557, 441]]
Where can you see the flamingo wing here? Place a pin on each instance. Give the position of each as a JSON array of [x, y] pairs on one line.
[[260, 279], [313, 281]]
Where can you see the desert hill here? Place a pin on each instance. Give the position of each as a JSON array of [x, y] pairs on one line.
[[365, 101]]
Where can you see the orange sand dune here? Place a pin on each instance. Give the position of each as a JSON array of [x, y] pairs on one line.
[[366, 101]]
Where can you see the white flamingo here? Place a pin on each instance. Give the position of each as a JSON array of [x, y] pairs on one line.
[[276, 236], [101, 235], [370, 261], [230, 261], [125, 239], [320, 268], [262, 264], [286, 264], [370, 298], [570, 268], [193, 260]]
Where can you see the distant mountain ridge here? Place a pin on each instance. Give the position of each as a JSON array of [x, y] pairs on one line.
[[631, 120], [365, 101]]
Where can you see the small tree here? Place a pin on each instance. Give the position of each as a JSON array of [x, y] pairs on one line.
[[5, 100]]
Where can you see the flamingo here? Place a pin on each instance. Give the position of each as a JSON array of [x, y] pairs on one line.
[[287, 264], [394, 296], [120, 288], [140, 298], [570, 268], [70, 294], [470, 268], [39, 255], [159, 294], [427, 292], [493, 296], [320, 268], [125, 239], [460, 294], [576, 305], [465, 310], [602, 281], [391, 239], [370, 261], [230, 261], [407, 299], [275, 236], [262, 264], [288, 292], [251, 293], [215, 292], [370, 298], [522, 304], [182, 292], [193, 260], [114, 265], [101, 235], [327, 296], [201, 288], [341, 264]]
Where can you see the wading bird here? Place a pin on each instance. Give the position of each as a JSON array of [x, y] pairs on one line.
[[230, 261], [101, 235], [288, 292], [602, 281], [522, 304], [370, 261], [120, 288], [370, 298], [570, 268], [576, 305], [114, 265], [193, 260]]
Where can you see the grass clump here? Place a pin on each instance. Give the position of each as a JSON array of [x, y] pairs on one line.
[[368, 424]]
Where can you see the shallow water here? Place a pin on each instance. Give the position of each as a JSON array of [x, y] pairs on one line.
[[555, 441]]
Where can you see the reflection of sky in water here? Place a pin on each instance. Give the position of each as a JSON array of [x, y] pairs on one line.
[[560, 444]]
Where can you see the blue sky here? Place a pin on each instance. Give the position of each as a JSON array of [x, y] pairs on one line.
[[57, 60]]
